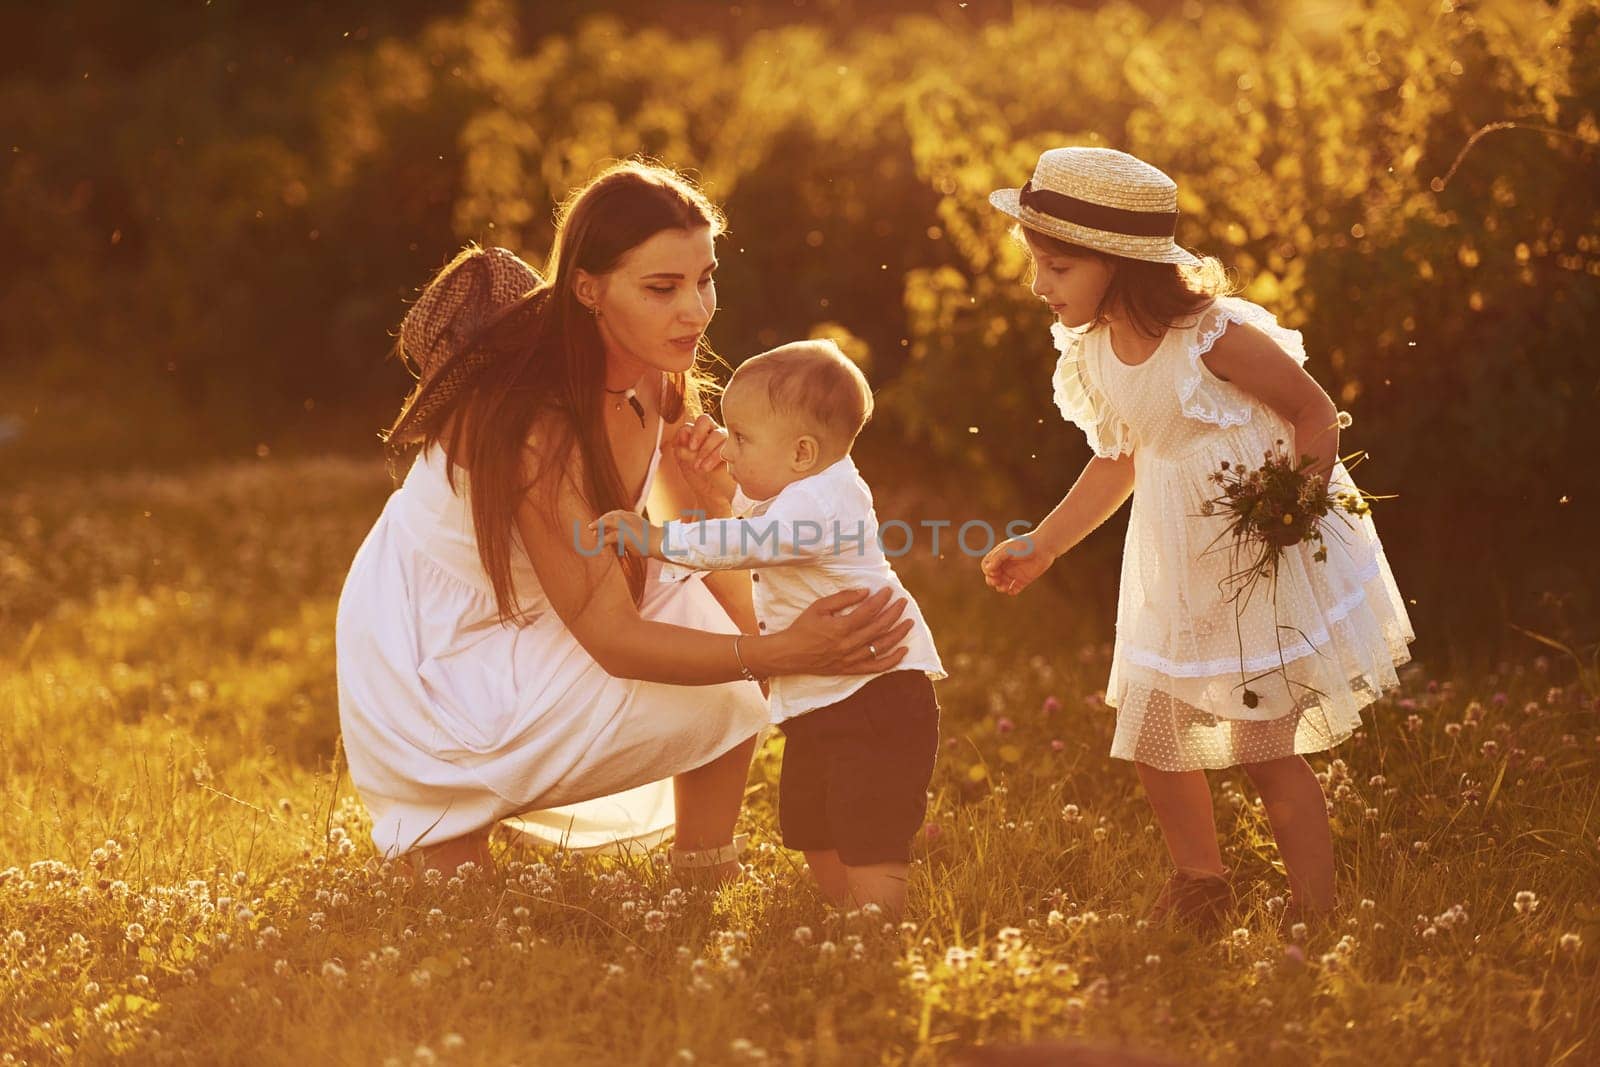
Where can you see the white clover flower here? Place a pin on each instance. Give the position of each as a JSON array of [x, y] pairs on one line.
[[802, 935], [333, 971], [615, 970], [421, 978], [1152, 960], [1570, 944], [134, 932], [1526, 903], [424, 1054]]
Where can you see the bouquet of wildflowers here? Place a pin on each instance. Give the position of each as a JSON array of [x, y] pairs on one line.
[[1269, 509]]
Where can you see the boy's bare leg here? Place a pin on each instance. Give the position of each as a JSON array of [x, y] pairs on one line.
[[883, 884], [830, 875]]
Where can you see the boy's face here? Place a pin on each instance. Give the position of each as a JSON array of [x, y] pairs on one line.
[[1073, 286], [765, 451]]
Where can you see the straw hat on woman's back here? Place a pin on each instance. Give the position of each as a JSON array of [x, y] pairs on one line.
[[437, 334]]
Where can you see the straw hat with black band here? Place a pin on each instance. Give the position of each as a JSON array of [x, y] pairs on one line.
[[1101, 199]]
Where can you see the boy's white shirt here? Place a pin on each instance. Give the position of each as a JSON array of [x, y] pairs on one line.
[[789, 543]]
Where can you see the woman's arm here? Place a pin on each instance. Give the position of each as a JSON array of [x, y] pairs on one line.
[[588, 590], [1099, 491], [674, 495], [1250, 360]]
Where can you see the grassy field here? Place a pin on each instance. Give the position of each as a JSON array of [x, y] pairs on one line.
[[187, 877]]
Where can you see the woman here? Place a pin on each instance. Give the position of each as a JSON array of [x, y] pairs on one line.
[[490, 661]]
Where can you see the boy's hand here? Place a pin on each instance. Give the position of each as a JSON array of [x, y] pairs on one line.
[[1013, 564], [630, 530], [697, 448]]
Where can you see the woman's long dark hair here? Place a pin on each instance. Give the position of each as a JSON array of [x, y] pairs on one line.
[[1154, 296], [547, 363]]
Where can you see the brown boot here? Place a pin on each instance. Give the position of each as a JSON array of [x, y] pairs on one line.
[[1194, 898], [1315, 920]]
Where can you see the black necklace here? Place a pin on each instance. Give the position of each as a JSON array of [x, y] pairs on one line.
[[631, 395]]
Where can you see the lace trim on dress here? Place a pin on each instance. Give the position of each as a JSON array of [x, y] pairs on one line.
[[1202, 395], [1081, 402], [1298, 650]]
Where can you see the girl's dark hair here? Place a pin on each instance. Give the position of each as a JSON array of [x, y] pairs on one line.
[[546, 364], [1154, 296]]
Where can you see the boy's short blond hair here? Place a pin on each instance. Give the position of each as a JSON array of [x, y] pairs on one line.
[[815, 381]]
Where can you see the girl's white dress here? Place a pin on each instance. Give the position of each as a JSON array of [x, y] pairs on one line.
[[452, 721], [1181, 657]]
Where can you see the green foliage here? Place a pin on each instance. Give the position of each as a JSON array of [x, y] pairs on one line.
[[213, 242]]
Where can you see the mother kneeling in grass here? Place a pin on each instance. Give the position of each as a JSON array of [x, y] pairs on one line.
[[490, 662]]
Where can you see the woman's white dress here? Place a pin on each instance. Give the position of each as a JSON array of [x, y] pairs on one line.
[[452, 721], [1183, 655]]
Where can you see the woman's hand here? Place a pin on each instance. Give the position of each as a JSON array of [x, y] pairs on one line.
[[847, 633], [629, 529], [1014, 564], [697, 448]]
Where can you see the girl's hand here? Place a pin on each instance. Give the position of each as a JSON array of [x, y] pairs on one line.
[[697, 448], [827, 640], [1013, 564], [629, 529]]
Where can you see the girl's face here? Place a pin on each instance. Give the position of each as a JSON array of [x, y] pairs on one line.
[[1072, 285], [763, 450], [656, 303]]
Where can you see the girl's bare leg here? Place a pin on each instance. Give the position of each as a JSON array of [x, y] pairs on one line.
[[1182, 803], [1298, 813], [707, 801]]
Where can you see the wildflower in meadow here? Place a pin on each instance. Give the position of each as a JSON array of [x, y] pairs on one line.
[[1051, 705], [1526, 903], [1571, 944]]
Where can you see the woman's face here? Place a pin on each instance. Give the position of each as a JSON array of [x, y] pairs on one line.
[[655, 304], [1073, 286]]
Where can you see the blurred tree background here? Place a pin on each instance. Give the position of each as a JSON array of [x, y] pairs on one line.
[[214, 211]]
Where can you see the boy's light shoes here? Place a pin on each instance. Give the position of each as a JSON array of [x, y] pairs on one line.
[[1194, 898]]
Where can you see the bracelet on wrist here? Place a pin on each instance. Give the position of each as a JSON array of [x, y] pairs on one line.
[[744, 671]]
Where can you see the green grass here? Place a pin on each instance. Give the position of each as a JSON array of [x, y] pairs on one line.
[[167, 684]]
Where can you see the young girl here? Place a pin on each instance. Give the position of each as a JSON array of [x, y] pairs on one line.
[[1168, 377]]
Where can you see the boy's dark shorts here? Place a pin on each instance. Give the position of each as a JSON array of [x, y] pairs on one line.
[[855, 774]]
